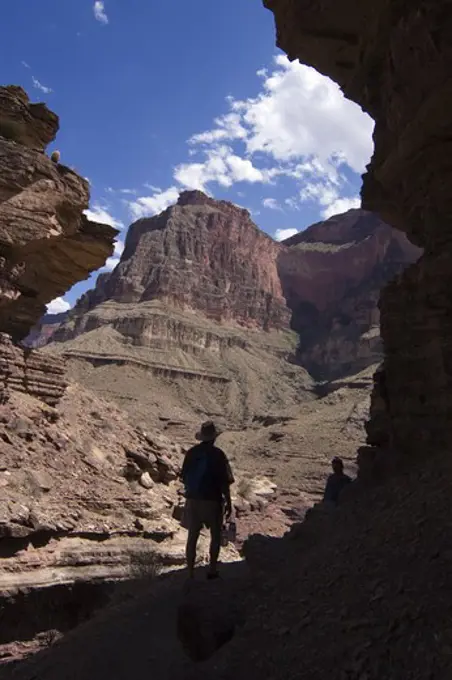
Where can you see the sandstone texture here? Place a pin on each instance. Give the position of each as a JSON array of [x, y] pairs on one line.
[[203, 255], [46, 243], [39, 375], [174, 367], [331, 275], [193, 320], [180, 327]]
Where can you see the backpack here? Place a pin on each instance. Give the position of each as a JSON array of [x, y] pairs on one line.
[[196, 474]]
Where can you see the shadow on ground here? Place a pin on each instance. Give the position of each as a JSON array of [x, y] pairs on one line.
[[162, 629]]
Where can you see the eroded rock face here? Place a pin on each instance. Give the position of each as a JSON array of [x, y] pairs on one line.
[[31, 125], [46, 243], [204, 255], [396, 62], [331, 275], [40, 375]]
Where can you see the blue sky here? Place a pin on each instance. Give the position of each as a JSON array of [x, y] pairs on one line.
[[157, 97]]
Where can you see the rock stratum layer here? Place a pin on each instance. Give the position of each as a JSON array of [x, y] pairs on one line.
[[193, 320], [202, 300], [202, 255], [40, 375], [46, 242], [331, 275]]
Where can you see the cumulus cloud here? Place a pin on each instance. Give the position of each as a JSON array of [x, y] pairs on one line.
[[58, 306], [298, 114], [299, 127], [341, 205], [228, 126], [271, 204], [39, 86], [221, 166], [114, 260], [282, 234], [327, 196], [100, 214], [155, 204], [99, 12]]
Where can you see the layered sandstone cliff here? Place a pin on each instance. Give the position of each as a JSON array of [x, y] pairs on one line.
[[201, 294], [196, 304], [331, 275], [204, 255], [22, 370], [46, 242]]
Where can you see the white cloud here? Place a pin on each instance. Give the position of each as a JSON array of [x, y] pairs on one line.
[[152, 187], [341, 205], [100, 214], [229, 126], [25, 64], [58, 306], [282, 234], [99, 12], [40, 86], [145, 206], [221, 166], [271, 204], [299, 127], [114, 260], [298, 114], [130, 192], [327, 196]]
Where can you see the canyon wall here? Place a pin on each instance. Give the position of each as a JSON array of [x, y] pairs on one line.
[[34, 373], [200, 254], [196, 310], [394, 59], [46, 242], [331, 275], [201, 292]]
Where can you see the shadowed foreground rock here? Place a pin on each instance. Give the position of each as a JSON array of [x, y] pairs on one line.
[[46, 242], [207, 619]]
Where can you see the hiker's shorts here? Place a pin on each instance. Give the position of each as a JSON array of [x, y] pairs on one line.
[[199, 514]]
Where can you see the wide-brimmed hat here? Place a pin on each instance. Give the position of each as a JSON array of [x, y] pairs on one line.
[[208, 432]]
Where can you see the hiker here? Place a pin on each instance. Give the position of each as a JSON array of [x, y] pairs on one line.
[[207, 477], [336, 482]]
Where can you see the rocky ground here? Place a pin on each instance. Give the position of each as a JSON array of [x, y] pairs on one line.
[[350, 594], [163, 363], [89, 499]]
